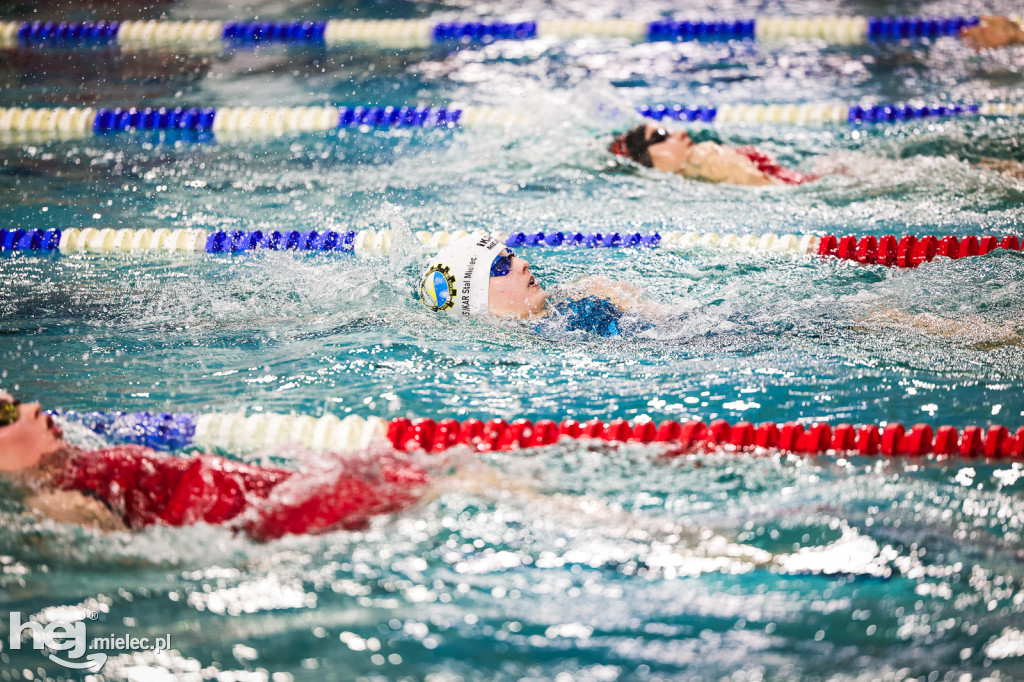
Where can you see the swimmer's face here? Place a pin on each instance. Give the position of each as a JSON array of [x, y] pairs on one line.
[[671, 152], [29, 438], [516, 294]]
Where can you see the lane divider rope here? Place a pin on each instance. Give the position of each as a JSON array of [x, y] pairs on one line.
[[73, 122], [236, 432], [240, 433], [906, 251], [848, 30], [822, 113]]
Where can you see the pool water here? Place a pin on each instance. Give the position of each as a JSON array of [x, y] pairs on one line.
[[599, 562]]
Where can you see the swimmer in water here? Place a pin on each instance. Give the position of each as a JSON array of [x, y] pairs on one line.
[[704, 158], [679, 152], [131, 487], [993, 31], [476, 275], [455, 282], [701, 155]]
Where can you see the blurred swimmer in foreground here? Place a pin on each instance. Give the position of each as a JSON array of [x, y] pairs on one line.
[[477, 275], [130, 486]]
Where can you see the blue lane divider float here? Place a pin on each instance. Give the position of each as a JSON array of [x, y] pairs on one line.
[[581, 239], [678, 31], [161, 431], [888, 113], [310, 240], [483, 32], [900, 28], [29, 240], [274, 31], [86, 32], [425, 31]]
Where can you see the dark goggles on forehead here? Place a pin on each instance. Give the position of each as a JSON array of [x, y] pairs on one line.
[[9, 412], [502, 265]]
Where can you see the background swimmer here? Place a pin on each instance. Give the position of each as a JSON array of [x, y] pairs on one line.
[[678, 152], [993, 31], [701, 155]]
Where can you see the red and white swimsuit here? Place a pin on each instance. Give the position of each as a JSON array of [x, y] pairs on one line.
[[770, 167], [147, 487]]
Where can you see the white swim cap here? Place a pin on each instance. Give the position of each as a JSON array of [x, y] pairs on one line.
[[457, 280]]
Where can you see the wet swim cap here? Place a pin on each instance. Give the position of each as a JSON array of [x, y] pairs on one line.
[[458, 276]]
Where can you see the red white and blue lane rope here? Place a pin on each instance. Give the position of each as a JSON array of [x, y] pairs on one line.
[[907, 251], [329, 433]]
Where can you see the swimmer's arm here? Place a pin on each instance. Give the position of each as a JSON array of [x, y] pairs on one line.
[[993, 31], [484, 481], [973, 328], [477, 478], [71, 506], [717, 163], [1014, 168]]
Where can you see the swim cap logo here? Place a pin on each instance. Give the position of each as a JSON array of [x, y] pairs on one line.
[[438, 288]]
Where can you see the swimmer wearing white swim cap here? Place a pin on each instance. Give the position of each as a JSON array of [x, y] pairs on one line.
[[478, 274]]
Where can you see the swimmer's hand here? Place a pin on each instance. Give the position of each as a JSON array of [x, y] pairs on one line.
[[71, 506], [993, 31]]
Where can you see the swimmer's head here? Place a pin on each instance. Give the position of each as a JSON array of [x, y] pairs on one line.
[[27, 434], [654, 146], [478, 274]]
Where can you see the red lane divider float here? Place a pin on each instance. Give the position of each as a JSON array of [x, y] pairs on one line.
[[894, 440], [909, 251]]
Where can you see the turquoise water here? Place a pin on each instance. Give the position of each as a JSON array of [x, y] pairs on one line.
[[600, 562]]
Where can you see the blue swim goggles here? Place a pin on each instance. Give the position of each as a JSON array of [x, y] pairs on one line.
[[502, 265]]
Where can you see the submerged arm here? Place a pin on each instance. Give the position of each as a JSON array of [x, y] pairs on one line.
[[971, 329]]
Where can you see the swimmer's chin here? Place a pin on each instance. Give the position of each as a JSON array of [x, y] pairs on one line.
[[530, 309]]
